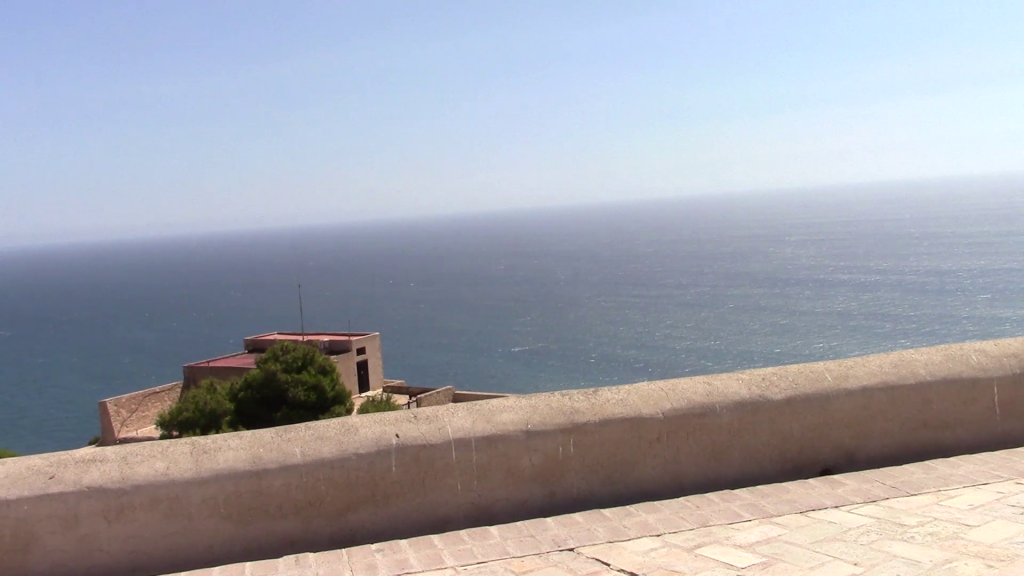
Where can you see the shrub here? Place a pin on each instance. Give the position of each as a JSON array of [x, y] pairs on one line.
[[7, 453], [93, 441], [292, 383], [202, 410], [381, 403]]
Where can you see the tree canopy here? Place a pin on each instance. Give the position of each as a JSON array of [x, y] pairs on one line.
[[291, 383], [202, 410]]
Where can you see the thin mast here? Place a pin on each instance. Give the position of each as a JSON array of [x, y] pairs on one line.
[[302, 319]]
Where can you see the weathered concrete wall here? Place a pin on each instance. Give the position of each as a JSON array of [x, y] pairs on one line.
[[180, 504], [193, 374], [438, 397], [133, 414], [467, 396], [346, 363], [375, 357]]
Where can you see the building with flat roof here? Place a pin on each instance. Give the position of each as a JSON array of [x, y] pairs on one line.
[[356, 354]]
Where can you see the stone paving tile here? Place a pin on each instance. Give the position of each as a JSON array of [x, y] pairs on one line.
[[931, 532], [971, 499], [871, 532], [552, 564], [855, 554], [753, 532], [897, 567], [896, 515], [835, 568], [921, 554], [813, 532], [962, 515], [994, 531], [796, 555], [736, 557]]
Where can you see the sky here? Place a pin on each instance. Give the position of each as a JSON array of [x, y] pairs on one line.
[[135, 118]]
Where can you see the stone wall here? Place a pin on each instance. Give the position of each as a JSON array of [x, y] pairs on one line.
[[438, 397], [468, 396], [194, 374], [174, 505], [128, 417]]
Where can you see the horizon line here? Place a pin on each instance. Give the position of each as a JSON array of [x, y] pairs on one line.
[[1002, 177]]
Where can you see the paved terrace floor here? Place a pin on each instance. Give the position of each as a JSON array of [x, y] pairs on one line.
[[962, 515]]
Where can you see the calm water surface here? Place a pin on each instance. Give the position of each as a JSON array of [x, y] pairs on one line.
[[523, 302]]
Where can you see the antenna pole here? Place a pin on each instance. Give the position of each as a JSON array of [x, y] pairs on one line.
[[302, 319]]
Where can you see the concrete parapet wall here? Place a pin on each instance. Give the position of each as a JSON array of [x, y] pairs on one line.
[[174, 505], [133, 414]]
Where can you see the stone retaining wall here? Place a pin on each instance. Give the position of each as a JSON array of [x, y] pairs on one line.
[[131, 416], [438, 397], [175, 505], [470, 396]]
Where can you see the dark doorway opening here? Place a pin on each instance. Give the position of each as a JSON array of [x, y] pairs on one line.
[[363, 375]]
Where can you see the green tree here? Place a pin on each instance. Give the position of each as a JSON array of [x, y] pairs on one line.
[[7, 453], [381, 403], [292, 383], [204, 409]]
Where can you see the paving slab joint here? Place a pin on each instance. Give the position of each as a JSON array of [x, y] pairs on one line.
[[617, 570]]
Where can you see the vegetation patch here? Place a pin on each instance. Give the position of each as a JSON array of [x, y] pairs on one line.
[[7, 453], [292, 383], [204, 409], [380, 403]]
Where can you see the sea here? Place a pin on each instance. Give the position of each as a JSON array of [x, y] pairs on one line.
[[523, 301]]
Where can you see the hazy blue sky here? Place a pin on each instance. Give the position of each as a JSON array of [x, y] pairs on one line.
[[122, 118]]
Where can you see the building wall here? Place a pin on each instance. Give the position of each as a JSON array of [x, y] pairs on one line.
[[323, 485], [196, 373], [346, 363], [347, 371], [129, 414], [373, 355]]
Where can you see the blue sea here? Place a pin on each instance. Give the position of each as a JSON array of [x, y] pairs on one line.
[[525, 301]]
